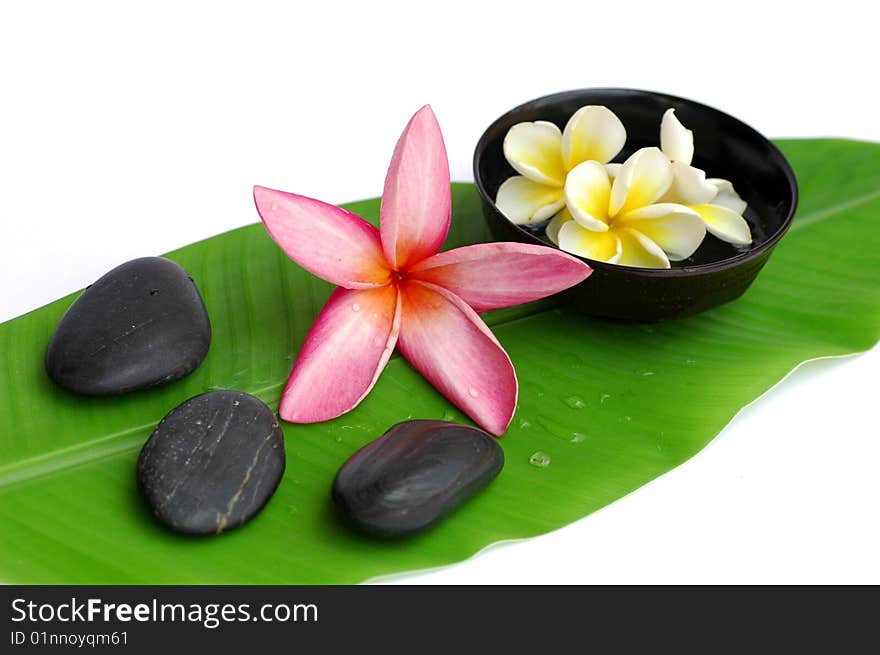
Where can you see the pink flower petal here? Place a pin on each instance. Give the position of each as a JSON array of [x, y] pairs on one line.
[[493, 275], [343, 354], [328, 241], [448, 343], [417, 201]]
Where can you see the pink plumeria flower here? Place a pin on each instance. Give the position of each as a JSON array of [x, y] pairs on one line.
[[396, 290]]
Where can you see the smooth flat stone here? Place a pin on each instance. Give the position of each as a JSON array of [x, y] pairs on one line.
[[415, 474], [212, 463], [141, 325]]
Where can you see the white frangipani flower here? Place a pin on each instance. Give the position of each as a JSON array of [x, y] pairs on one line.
[[652, 209], [713, 199], [543, 156], [626, 221]]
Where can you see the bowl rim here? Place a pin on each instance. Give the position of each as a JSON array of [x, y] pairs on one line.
[[683, 271]]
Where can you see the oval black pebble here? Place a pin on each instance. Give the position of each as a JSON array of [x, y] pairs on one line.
[[414, 474], [212, 463], [141, 325]]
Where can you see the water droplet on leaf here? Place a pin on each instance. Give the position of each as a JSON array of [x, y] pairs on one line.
[[540, 459], [557, 429]]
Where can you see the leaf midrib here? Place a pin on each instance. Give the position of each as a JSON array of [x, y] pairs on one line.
[[822, 214]]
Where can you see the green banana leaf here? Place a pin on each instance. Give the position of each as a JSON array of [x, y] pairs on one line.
[[613, 405]]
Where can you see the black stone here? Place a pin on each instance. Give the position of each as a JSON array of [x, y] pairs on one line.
[[212, 463], [415, 474], [141, 325]]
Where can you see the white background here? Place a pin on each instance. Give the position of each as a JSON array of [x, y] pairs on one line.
[[127, 131]]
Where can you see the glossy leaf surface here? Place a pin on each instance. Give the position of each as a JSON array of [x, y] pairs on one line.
[[614, 405]]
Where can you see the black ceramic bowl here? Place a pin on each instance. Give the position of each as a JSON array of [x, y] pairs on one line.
[[723, 146]]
